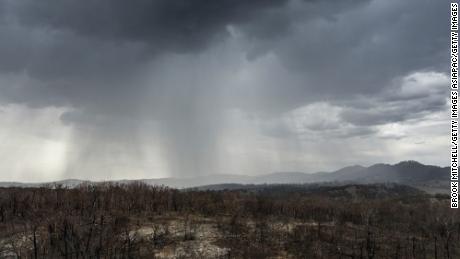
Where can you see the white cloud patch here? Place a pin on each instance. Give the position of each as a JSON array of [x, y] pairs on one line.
[[34, 143], [407, 123]]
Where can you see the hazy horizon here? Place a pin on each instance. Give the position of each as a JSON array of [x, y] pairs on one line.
[[216, 174], [151, 89]]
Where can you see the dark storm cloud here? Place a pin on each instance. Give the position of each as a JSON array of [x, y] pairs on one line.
[[334, 51], [122, 67], [81, 50], [361, 49], [333, 48], [179, 25], [70, 37]]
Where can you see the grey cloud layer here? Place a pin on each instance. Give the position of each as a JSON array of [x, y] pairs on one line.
[[176, 67], [178, 25], [325, 44]]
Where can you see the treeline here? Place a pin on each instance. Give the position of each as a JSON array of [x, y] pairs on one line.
[[97, 221]]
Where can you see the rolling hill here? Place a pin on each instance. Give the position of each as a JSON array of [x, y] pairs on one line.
[[426, 177]]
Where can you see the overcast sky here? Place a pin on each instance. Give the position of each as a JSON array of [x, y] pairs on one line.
[[111, 89]]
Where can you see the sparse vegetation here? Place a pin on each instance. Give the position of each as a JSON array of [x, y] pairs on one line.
[[281, 221]]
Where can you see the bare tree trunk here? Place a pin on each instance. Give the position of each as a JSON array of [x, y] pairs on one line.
[[35, 243], [447, 245], [435, 247]]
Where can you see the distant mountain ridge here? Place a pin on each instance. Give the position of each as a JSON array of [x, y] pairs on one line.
[[428, 177]]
